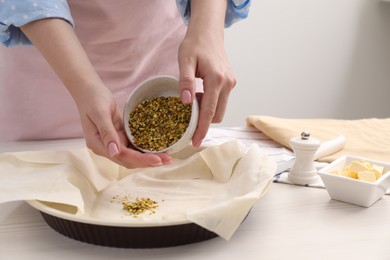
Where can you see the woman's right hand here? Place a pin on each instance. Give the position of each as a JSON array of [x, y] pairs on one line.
[[104, 132], [99, 114]]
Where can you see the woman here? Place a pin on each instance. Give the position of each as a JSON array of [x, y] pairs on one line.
[[100, 50]]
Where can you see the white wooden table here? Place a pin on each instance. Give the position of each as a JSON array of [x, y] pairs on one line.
[[289, 222]]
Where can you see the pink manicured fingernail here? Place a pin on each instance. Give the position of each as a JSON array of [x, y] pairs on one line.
[[113, 149], [167, 161], [198, 144], [157, 164], [186, 96]]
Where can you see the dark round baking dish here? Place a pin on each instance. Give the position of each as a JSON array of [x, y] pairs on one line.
[[129, 237]]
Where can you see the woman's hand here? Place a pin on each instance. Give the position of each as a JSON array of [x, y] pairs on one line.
[[99, 114], [202, 55], [105, 135]]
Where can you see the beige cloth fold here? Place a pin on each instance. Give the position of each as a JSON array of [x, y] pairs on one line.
[[367, 138], [214, 187]]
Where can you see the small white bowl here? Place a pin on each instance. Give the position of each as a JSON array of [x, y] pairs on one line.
[[159, 86], [358, 192]]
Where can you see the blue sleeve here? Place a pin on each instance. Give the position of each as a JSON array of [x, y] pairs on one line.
[[16, 13], [236, 10]]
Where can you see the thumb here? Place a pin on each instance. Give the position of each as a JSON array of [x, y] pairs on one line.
[[113, 149], [187, 86], [109, 137]]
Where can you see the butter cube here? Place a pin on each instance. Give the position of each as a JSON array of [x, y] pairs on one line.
[[368, 176], [348, 173], [378, 170], [357, 166]]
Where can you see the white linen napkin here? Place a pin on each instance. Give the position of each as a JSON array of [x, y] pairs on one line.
[[214, 187]]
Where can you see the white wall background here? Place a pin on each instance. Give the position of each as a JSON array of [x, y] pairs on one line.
[[311, 59]]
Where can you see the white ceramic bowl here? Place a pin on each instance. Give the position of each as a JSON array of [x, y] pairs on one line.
[[358, 192], [156, 87]]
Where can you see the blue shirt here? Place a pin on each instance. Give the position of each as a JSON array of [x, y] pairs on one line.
[[235, 11], [16, 13]]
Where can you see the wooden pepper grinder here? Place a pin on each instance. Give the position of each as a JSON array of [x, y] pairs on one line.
[[303, 171]]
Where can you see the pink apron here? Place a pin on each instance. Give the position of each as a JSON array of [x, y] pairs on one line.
[[126, 42]]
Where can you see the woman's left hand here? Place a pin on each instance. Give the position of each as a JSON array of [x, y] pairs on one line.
[[202, 55]]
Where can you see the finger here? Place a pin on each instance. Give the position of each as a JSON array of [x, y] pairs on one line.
[[213, 104], [208, 107], [223, 99], [130, 158]]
